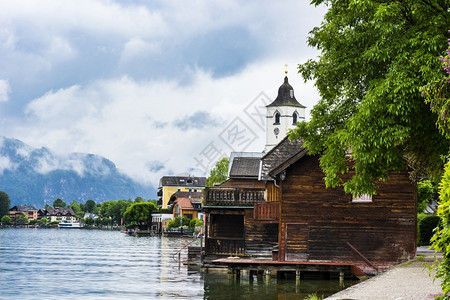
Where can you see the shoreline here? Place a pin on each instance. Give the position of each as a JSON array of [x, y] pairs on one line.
[[409, 280]]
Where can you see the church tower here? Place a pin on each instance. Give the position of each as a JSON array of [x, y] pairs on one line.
[[282, 114]]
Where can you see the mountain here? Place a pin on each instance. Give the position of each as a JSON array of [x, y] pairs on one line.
[[38, 176]]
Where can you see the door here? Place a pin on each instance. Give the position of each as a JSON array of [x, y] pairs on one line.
[[297, 235]]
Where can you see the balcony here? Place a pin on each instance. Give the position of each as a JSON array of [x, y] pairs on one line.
[[220, 196], [267, 212]]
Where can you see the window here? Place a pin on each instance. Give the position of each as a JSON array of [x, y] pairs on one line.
[[277, 118], [362, 198], [294, 118]]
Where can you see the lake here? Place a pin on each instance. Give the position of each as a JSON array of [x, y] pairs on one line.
[[96, 264]]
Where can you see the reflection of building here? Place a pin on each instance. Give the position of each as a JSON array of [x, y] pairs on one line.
[[276, 205], [30, 212], [168, 185]]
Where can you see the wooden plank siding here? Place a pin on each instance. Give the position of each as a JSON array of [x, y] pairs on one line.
[[383, 230], [260, 238]]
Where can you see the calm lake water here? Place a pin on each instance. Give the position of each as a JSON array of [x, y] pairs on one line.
[[94, 264]]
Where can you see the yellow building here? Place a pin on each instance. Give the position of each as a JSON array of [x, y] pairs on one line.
[[30, 212], [168, 185]]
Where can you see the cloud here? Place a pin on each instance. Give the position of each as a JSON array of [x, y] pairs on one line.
[[4, 90], [198, 120], [6, 164], [142, 125], [126, 79]]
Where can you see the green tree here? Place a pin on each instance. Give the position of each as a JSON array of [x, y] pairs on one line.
[[43, 222], [437, 93], [5, 204], [176, 222], [140, 213], [89, 221], [219, 173], [375, 56], [6, 220], [139, 199], [425, 194], [90, 206], [441, 239], [77, 209], [21, 220], [59, 203]]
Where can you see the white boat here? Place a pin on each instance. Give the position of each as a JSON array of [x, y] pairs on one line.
[[68, 224]]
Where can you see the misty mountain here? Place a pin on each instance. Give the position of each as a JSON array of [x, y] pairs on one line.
[[38, 176]]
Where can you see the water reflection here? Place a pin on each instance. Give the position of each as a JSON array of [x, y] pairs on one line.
[[93, 264]]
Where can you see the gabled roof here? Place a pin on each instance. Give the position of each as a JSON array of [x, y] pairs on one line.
[[23, 208], [198, 196], [244, 164], [59, 211], [279, 156], [184, 203], [182, 181], [245, 167], [285, 96]]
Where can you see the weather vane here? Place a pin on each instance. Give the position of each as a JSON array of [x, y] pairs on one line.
[[286, 71]]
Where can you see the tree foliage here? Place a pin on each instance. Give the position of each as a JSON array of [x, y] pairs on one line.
[[139, 213], [6, 220], [425, 194], [219, 173], [437, 95], [59, 203], [5, 204], [175, 223], [441, 239], [90, 206], [375, 56], [114, 209]]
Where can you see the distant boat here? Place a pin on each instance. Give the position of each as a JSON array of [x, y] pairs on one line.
[[68, 224]]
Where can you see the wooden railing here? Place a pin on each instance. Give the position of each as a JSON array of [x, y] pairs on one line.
[[267, 211], [224, 246], [219, 196]]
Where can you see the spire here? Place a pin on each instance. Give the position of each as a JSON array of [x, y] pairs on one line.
[[285, 95]]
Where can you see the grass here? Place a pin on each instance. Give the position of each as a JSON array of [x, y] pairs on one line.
[[313, 297]]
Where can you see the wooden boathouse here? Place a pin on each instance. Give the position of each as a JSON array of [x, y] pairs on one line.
[[275, 213]]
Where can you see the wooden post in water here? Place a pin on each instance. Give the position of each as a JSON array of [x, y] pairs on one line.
[[268, 274], [341, 278], [230, 273], [297, 276]]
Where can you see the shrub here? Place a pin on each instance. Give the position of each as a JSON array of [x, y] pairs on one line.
[[426, 228], [6, 220], [441, 239]]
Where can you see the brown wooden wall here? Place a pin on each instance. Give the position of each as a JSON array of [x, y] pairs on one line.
[[318, 222], [246, 183], [260, 238], [273, 193]]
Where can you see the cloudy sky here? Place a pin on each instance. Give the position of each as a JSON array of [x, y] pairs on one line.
[[158, 87]]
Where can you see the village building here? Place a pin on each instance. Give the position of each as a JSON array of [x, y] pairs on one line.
[[58, 214], [168, 185], [186, 204], [30, 212], [275, 212]]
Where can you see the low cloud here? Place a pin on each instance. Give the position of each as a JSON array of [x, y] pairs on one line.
[[5, 89], [198, 120], [5, 164]]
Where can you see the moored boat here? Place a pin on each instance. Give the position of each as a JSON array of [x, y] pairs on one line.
[[68, 224]]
